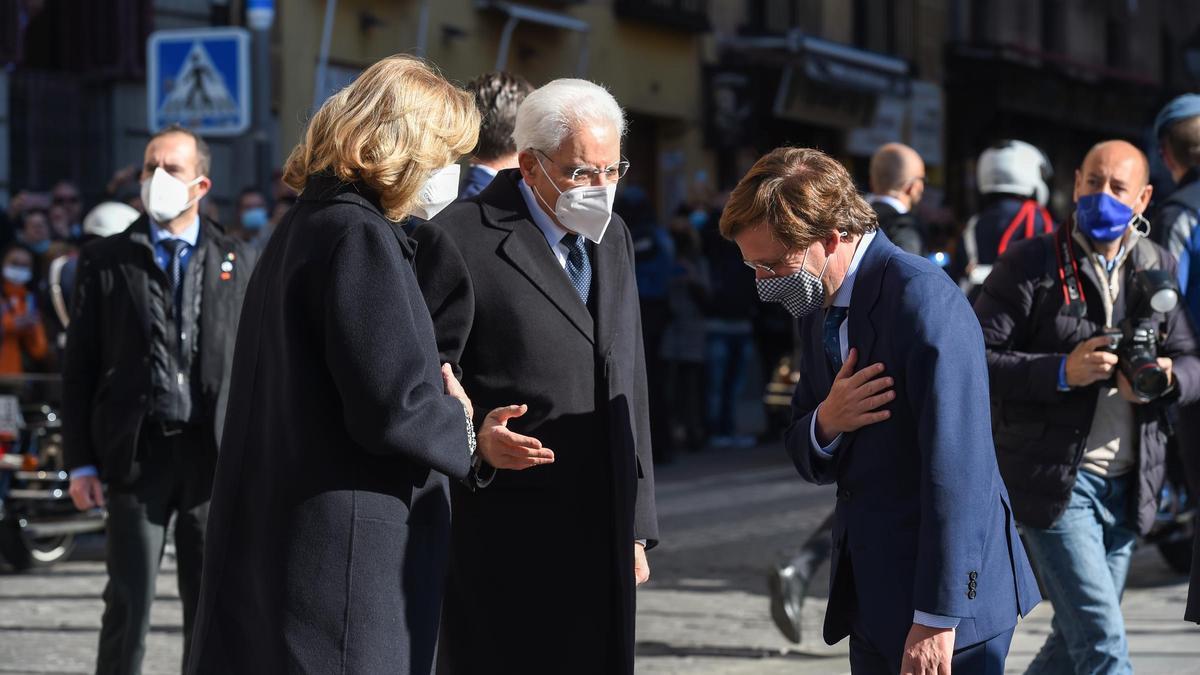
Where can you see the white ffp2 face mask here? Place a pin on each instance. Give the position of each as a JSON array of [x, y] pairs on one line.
[[437, 193], [165, 196], [586, 211]]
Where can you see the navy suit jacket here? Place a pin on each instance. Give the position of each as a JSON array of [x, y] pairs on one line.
[[923, 519], [474, 180]]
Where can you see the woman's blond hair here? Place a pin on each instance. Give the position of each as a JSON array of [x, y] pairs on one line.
[[394, 126]]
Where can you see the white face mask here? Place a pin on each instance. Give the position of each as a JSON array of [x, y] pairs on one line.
[[586, 211], [165, 196], [801, 293], [437, 193]]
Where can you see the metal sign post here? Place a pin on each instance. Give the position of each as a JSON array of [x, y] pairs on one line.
[[260, 15]]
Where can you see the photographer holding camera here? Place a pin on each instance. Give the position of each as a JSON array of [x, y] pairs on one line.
[[1087, 345]]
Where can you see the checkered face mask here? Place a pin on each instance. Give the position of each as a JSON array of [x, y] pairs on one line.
[[801, 293]]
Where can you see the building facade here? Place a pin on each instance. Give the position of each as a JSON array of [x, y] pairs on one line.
[[709, 85]]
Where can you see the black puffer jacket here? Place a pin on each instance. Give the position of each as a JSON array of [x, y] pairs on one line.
[[1040, 432]]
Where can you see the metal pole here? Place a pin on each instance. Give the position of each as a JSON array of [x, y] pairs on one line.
[[323, 55], [260, 15], [506, 42], [423, 29], [262, 109]]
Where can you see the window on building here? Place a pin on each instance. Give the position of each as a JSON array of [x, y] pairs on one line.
[[875, 25]]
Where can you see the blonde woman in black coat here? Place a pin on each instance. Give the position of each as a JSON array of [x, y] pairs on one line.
[[329, 525]]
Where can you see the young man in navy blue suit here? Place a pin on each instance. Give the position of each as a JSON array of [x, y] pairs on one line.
[[928, 572]]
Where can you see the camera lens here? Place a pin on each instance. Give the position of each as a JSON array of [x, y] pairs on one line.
[[1149, 381]]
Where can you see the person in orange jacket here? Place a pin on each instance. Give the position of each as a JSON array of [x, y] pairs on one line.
[[23, 338]]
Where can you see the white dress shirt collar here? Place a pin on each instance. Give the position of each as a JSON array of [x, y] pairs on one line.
[[890, 201], [842, 297]]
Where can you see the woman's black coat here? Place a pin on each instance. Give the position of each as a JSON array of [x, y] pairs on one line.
[[328, 531]]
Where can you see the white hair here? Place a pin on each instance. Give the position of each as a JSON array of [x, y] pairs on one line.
[[561, 107]]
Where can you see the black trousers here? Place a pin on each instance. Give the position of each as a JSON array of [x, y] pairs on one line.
[[176, 479]]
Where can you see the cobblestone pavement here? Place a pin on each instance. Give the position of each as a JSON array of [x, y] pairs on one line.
[[724, 516]]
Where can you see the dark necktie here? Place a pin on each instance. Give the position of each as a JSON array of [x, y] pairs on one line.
[[175, 249], [174, 270], [579, 265], [832, 341]]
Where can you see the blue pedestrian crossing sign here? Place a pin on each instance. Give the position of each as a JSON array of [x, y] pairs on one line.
[[199, 79]]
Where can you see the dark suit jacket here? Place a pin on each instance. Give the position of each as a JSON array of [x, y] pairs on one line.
[[904, 229], [474, 181], [507, 315], [327, 535], [923, 518], [106, 376]]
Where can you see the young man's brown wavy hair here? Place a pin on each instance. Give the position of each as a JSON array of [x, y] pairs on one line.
[[802, 194]]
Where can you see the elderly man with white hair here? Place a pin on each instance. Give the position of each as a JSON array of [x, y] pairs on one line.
[[532, 292]]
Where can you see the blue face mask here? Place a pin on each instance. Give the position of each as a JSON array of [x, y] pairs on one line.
[[1102, 218], [698, 218], [254, 219], [40, 247]]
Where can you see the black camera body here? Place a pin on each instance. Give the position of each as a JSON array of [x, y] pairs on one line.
[[1136, 340], [1136, 345]]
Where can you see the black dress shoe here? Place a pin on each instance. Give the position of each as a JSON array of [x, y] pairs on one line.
[[787, 588]]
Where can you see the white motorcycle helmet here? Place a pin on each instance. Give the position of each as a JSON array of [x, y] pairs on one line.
[[109, 218], [1015, 167]]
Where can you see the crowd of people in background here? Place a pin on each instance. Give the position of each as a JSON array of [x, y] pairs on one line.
[[42, 232], [706, 338]]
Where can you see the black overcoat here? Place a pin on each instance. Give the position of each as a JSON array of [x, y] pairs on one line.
[[327, 536], [107, 376], [541, 573]]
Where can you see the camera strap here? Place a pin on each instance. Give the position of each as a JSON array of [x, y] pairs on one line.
[[1068, 272]]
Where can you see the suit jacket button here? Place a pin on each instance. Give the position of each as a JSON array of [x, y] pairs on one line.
[[970, 595], [973, 575], [971, 586], [843, 494]]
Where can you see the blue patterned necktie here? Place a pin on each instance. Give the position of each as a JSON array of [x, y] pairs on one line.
[[174, 270], [832, 341], [579, 265]]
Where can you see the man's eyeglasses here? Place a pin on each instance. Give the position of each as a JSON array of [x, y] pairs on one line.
[[583, 175], [769, 268]]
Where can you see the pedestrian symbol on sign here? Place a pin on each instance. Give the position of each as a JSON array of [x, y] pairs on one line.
[[199, 79], [198, 89]]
